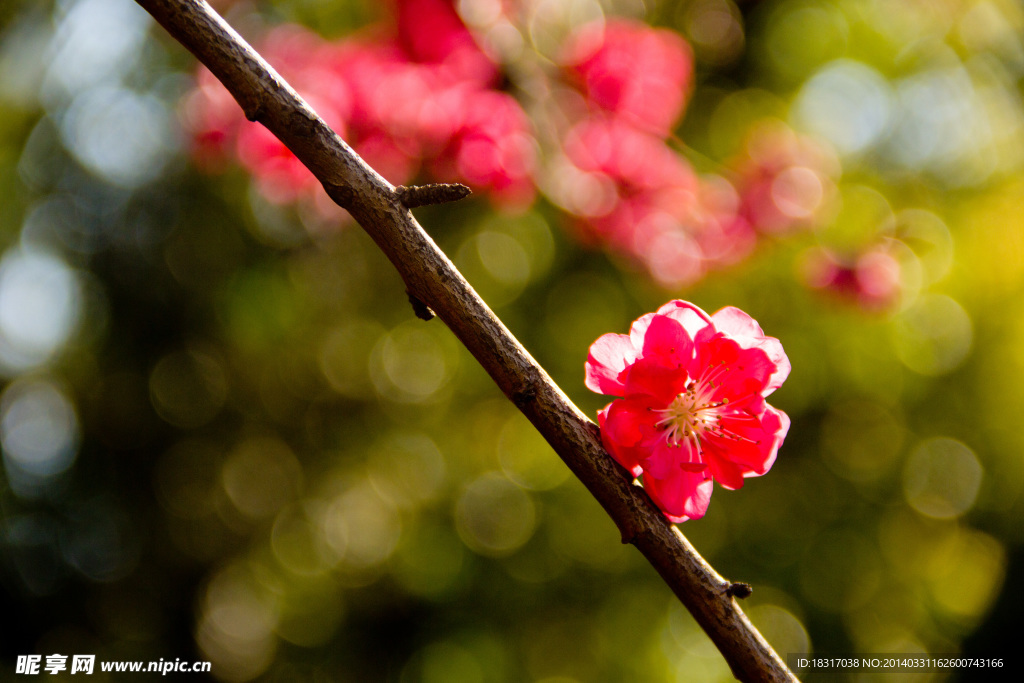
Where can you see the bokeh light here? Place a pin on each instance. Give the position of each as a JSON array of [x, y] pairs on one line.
[[494, 516], [40, 303], [39, 433], [848, 103], [942, 478]]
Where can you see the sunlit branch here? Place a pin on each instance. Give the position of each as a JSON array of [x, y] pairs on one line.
[[437, 286]]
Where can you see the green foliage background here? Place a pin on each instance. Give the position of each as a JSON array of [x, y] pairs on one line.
[[227, 437]]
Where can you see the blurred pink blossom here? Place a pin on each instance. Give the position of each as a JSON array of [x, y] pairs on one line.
[[635, 195], [785, 180], [638, 73], [407, 101], [871, 278], [432, 32]]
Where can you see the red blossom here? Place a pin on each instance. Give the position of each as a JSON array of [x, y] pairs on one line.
[[213, 116], [491, 147], [642, 74], [784, 180], [432, 32], [692, 409], [870, 279], [419, 97], [637, 196], [638, 175]]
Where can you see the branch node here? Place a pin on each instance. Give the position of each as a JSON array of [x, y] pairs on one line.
[[629, 532], [421, 310], [524, 396], [526, 391], [738, 589], [342, 195], [412, 196], [254, 113]]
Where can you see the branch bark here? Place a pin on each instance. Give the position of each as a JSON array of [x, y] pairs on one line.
[[432, 280]]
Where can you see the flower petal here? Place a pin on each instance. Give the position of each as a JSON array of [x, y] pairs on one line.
[[740, 372], [628, 429], [777, 431], [627, 456], [663, 458], [667, 340], [692, 318], [638, 329], [726, 473], [773, 347], [757, 443], [736, 323], [627, 422], [748, 334], [653, 378], [609, 356], [682, 495]]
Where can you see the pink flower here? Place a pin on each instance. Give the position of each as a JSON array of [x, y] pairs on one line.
[[785, 180], [639, 176], [635, 196], [432, 32], [640, 73], [213, 117], [492, 147], [693, 407], [871, 279], [416, 96]]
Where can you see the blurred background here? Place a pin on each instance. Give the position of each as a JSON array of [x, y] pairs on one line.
[[226, 437]]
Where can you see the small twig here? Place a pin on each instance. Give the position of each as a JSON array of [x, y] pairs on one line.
[[739, 590], [412, 196]]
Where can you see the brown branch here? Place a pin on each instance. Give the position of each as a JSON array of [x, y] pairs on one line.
[[433, 281]]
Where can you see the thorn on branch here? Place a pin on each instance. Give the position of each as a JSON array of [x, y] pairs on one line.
[[421, 310], [412, 196], [740, 590]]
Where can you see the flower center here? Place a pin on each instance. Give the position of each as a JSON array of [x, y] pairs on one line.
[[691, 414]]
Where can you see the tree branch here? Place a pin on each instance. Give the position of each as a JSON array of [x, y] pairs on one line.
[[433, 281]]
